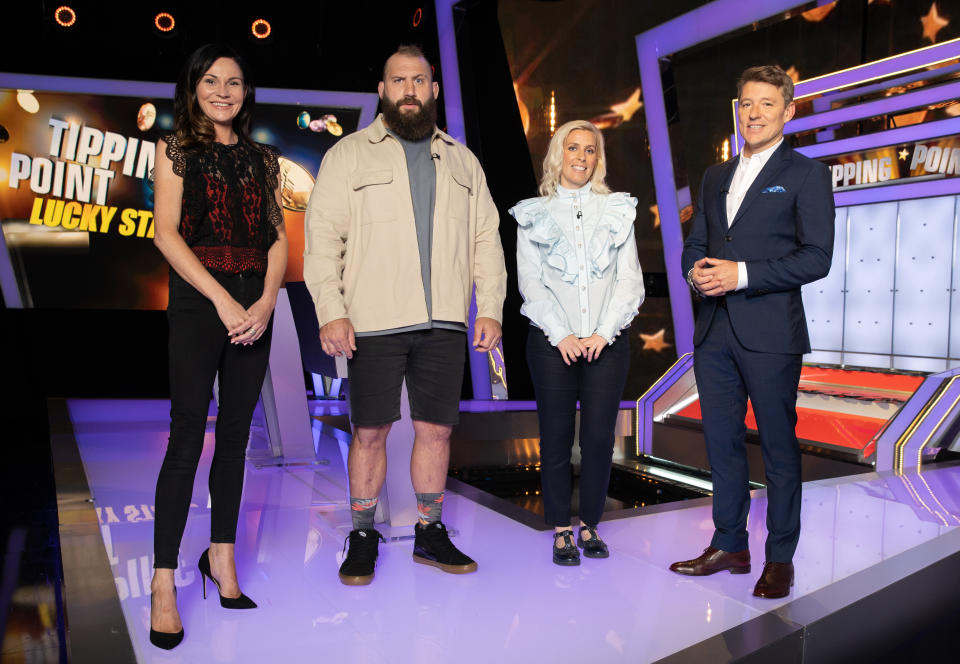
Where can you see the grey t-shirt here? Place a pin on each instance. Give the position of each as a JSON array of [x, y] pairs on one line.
[[422, 174], [423, 190]]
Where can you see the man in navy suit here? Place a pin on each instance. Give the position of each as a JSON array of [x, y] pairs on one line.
[[764, 228]]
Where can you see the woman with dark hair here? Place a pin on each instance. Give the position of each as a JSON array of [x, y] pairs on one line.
[[581, 284], [220, 226]]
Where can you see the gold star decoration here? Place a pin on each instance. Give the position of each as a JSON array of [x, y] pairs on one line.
[[626, 109], [654, 341], [903, 154], [619, 113], [794, 74], [817, 14], [686, 214], [933, 23]]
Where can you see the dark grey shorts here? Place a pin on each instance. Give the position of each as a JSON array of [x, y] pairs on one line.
[[430, 360]]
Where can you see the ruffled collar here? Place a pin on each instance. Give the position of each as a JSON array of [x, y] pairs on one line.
[[614, 226], [582, 192]]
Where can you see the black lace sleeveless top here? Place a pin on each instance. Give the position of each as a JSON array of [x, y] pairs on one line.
[[229, 215]]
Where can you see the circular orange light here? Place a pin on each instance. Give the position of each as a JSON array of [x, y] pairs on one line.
[[65, 16], [417, 17], [261, 28], [164, 22]]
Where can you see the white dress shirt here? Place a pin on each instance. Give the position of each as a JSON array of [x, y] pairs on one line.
[[748, 168], [577, 263]]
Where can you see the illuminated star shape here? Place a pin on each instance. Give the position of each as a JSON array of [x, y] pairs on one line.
[[655, 210], [794, 74], [626, 109], [817, 14], [654, 341], [903, 154], [933, 23]]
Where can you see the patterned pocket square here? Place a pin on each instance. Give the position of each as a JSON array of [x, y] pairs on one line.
[[775, 189]]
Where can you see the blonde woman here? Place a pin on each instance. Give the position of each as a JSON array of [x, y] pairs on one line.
[[581, 284]]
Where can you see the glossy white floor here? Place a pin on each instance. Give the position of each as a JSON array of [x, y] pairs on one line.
[[518, 607]]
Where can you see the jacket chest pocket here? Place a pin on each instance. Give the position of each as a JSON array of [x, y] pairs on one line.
[[460, 191], [774, 202], [376, 195]]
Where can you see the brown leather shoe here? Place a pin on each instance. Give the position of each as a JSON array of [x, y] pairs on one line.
[[714, 560], [775, 581]]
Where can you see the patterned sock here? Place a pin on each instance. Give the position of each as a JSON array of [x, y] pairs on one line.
[[429, 506], [362, 511]]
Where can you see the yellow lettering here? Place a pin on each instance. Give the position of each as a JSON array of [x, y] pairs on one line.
[[88, 218], [70, 215], [35, 213], [128, 222], [53, 219], [106, 215], [145, 217]]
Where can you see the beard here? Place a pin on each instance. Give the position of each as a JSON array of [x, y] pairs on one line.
[[411, 126]]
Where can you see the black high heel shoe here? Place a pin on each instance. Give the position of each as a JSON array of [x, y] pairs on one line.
[[242, 602], [166, 640]]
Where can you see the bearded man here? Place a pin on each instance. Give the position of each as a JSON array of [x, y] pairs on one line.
[[399, 229]]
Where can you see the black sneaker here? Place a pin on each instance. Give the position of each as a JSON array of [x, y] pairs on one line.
[[593, 547], [432, 546], [568, 554], [357, 567]]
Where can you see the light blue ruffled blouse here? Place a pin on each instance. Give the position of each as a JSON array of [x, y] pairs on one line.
[[577, 263]]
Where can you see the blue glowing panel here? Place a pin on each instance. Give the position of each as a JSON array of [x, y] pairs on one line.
[[955, 288], [824, 357], [910, 363], [868, 360], [921, 305], [823, 299], [871, 261]]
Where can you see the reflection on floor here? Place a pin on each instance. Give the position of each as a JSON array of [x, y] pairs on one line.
[[518, 607]]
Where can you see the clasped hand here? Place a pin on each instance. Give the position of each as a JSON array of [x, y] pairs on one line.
[[244, 326], [572, 348], [714, 277]]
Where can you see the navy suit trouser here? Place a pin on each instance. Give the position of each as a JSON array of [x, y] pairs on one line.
[[727, 374]]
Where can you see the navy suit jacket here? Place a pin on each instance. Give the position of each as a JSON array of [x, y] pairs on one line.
[[783, 231]]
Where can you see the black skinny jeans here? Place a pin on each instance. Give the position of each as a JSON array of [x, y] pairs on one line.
[[598, 385], [199, 350]]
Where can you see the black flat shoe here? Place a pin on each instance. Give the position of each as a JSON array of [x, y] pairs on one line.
[[568, 554], [242, 602], [593, 547]]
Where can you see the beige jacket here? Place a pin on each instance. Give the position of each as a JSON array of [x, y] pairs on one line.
[[361, 258]]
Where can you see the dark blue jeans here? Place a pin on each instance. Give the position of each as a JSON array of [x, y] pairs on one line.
[[598, 385], [200, 350]]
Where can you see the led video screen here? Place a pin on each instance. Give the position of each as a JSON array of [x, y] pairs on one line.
[[76, 185]]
